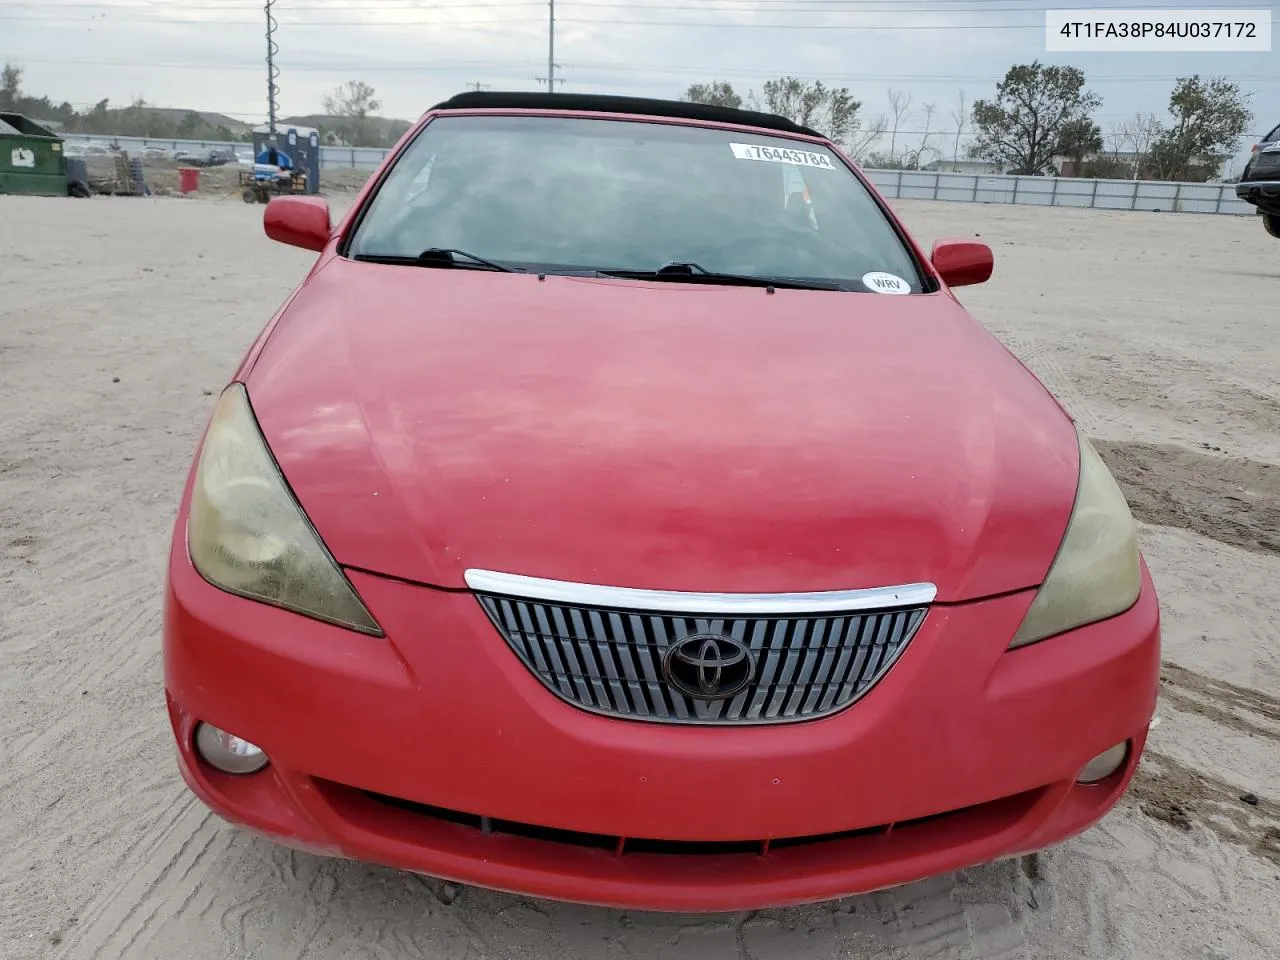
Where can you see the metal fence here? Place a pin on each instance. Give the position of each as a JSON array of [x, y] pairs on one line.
[[333, 157], [1150, 195]]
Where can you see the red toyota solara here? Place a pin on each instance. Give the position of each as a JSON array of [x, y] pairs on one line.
[[624, 510]]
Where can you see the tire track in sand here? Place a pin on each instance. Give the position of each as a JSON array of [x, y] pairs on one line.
[[154, 876], [1168, 790]]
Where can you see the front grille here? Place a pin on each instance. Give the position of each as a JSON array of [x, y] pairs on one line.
[[611, 661]]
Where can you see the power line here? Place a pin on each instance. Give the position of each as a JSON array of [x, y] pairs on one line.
[[507, 21], [438, 66], [195, 22], [830, 75], [825, 7], [443, 66], [947, 27], [1001, 6], [883, 6], [253, 5]]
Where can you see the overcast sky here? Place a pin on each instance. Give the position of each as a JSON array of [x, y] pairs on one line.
[[208, 54]]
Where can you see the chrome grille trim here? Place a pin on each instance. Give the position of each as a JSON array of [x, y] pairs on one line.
[[725, 604], [607, 658]]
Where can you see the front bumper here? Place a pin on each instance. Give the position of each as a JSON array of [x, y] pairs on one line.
[[392, 750]]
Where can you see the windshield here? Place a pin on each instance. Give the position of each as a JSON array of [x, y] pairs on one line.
[[580, 194]]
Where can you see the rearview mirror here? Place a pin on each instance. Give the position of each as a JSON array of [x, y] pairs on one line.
[[962, 262], [298, 221]]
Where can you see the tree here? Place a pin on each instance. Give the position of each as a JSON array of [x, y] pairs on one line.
[[395, 130], [717, 93], [960, 116], [13, 99], [1209, 117], [10, 86], [1138, 134], [914, 159], [140, 120], [190, 124], [1079, 138], [353, 99], [1022, 127], [900, 107], [830, 110], [1106, 167], [883, 161], [353, 104], [1114, 140], [862, 139]]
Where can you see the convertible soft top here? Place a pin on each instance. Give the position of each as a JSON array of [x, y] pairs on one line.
[[600, 103]]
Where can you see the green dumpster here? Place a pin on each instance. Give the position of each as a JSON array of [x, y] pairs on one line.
[[31, 158]]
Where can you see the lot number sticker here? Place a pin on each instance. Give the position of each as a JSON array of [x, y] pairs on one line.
[[885, 283], [802, 158]]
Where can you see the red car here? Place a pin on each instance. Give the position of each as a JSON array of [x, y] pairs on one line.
[[624, 510]]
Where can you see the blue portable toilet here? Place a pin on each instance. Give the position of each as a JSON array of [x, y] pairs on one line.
[[302, 144]]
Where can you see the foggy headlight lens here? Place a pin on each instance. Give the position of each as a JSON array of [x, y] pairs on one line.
[[247, 534], [1097, 573]]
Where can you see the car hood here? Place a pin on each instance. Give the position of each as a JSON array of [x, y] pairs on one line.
[[661, 436]]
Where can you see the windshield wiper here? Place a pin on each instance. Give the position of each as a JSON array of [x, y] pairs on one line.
[[678, 271], [438, 257]]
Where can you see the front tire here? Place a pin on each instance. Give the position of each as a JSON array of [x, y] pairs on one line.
[[1271, 223]]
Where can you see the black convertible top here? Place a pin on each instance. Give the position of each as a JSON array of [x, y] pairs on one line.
[[600, 103]]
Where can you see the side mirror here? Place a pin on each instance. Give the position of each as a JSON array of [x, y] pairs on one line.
[[962, 262], [298, 221]]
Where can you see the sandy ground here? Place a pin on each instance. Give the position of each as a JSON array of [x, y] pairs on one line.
[[120, 319]]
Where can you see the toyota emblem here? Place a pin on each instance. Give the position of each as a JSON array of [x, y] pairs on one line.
[[708, 666]]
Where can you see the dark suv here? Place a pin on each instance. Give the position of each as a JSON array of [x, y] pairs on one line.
[[1260, 182]]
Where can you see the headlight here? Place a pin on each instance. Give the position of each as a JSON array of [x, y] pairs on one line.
[[247, 535], [1097, 572]]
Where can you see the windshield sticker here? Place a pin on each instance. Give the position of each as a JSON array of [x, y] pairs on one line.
[[885, 283], [802, 158]]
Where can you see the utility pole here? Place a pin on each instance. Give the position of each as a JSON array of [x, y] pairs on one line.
[[272, 71], [550, 79]]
